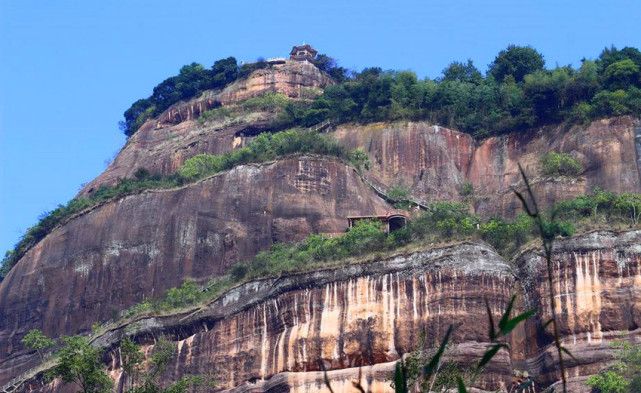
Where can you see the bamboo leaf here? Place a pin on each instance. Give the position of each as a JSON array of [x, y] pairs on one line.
[[461, 385], [512, 323], [400, 382], [430, 368], [492, 331], [489, 354], [506, 315]]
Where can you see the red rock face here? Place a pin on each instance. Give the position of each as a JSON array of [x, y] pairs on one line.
[[359, 315], [117, 254], [595, 277], [161, 145], [269, 335], [435, 161]]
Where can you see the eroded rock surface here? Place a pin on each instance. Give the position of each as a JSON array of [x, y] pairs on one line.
[[596, 278], [269, 335], [346, 317], [124, 251], [435, 162], [161, 145]]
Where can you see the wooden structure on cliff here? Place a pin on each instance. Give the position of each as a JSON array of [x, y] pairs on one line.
[[392, 221], [303, 53]]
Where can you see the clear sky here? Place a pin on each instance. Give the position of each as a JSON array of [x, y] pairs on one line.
[[68, 69]]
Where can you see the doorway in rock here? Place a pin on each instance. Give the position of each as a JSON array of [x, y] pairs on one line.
[[396, 222]]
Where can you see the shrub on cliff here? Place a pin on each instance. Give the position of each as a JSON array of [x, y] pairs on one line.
[[80, 363], [560, 164], [264, 147], [624, 375]]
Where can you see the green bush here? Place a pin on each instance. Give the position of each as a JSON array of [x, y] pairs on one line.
[[608, 382], [186, 294], [214, 114], [560, 164], [81, 363], [400, 195], [601, 206], [466, 190], [359, 159], [507, 236], [270, 102]]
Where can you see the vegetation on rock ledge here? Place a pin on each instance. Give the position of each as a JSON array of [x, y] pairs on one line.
[[263, 148], [517, 92]]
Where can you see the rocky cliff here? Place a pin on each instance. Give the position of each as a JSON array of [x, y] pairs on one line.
[[358, 319], [435, 162], [162, 144], [124, 251], [269, 335]]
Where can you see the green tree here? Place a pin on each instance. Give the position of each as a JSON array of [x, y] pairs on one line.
[[516, 61], [622, 74], [131, 358], [462, 72], [80, 363], [36, 340], [609, 382], [224, 72]]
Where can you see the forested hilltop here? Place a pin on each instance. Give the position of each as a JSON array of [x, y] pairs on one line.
[[516, 93]]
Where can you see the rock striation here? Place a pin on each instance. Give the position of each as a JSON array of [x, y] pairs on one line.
[[435, 162], [124, 251], [358, 319], [269, 335], [161, 145]]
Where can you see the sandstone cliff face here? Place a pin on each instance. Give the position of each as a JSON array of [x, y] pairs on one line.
[[117, 254], [596, 278], [124, 251], [161, 145], [435, 161], [270, 334]]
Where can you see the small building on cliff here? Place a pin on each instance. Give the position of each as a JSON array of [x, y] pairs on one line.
[[391, 221], [303, 53]]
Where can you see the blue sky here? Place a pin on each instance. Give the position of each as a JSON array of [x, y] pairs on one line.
[[68, 69]]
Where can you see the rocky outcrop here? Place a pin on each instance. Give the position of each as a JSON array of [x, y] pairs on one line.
[[269, 335], [435, 162], [295, 79], [349, 316], [161, 145], [124, 251], [595, 278]]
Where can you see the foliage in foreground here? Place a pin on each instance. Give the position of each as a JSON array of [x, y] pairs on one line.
[[263, 148], [624, 376], [427, 372]]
